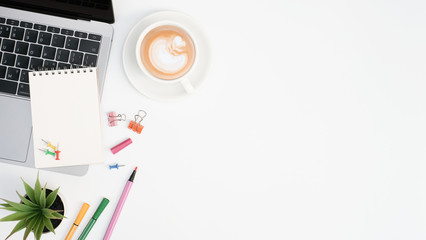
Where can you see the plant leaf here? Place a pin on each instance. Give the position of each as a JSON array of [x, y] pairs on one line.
[[10, 209], [37, 190], [16, 216], [19, 226], [5, 205], [20, 207], [51, 198], [30, 226], [29, 191], [26, 201], [43, 197], [48, 213], [38, 228], [48, 224], [58, 215]]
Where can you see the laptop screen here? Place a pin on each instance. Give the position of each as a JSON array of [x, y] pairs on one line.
[[99, 10]]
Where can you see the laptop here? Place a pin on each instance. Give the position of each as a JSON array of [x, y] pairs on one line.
[[38, 35]]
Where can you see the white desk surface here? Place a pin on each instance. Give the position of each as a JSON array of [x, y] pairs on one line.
[[311, 125]]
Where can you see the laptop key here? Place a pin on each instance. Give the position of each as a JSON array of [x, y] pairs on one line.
[[90, 60], [3, 71], [49, 65], [30, 35], [22, 61], [17, 33], [8, 45], [49, 52], [76, 58], [44, 38], [67, 32], [24, 89], [71, 43], [26, 24], [53, 29], [40, 27], [2, 20], [89, 46], [64, 66], [95, 37], [8, 59], [36, 64], [21, 47], [24, 76], [8, 86], [80, 34], [58, 41], [12, 22], [88, 4], [12, 74], [35, 50], [62, 55], [4, 31]]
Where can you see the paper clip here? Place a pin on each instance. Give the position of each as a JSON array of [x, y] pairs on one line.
[[49, 144], [47, 152], [115, 166], [113, 118], [136, 125]]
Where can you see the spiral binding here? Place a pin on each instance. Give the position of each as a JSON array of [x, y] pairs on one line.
[[72, 70]]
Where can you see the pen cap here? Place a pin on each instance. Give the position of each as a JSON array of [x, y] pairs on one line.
[[101, 208], [81, 214]]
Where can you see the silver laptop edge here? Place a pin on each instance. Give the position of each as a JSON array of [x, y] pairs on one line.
[[100, 28]]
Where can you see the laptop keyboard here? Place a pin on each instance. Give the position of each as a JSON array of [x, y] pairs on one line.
[[26, 47]]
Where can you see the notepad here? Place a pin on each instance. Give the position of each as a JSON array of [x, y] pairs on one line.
[[65, 112]]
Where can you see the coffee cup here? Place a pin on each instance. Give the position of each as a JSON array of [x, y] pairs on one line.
[[167, 52]]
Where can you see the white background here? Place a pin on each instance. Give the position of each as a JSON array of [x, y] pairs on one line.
[[311, 125]]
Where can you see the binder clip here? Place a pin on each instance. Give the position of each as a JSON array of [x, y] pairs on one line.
[[113, 118], [136, 125]]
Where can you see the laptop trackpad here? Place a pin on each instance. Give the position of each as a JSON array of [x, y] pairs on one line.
[[15, 128]]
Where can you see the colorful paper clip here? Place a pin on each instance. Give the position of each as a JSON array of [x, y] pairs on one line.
[[113, 118], [47, 152], [136, 125], [49, 144], [115, 166]]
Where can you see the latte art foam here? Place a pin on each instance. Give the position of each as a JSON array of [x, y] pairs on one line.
[[167, 52]]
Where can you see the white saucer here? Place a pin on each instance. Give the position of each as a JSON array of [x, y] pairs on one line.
[[168, 91]]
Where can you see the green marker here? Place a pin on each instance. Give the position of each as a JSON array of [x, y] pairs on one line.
[[95, 217]]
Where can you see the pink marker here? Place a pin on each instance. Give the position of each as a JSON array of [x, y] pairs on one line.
[[120, 146], [120, 205]]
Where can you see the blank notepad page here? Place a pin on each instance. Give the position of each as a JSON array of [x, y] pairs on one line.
[[65, 113]]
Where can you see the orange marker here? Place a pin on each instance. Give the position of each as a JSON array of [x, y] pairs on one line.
[[77, 221]]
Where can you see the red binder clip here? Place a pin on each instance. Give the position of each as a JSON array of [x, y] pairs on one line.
[[113, 118], [136, 125]]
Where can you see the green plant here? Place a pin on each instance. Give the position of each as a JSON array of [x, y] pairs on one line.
[[33, 212]]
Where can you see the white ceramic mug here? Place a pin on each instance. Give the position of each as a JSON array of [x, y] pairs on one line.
[[183, 80]]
